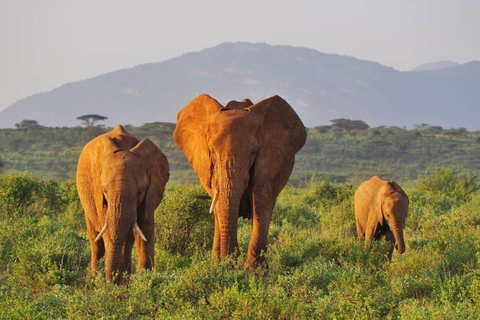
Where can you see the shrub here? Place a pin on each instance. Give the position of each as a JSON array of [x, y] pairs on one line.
[[296, 206], [17, 193], [357, 294], [444, 189], [329, 195], [52, 256], [286, 253], [72, 213], [183, 222], [416, 287]]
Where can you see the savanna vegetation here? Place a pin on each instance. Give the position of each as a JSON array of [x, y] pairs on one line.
[[318, 270], [317, 267], [345, 151]]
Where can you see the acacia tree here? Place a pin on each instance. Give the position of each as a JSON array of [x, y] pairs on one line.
[[421, 126], [349, 125], [454, 133], [89, 120], [27, 124]]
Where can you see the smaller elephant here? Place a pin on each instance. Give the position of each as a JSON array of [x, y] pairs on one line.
[[120, 181], [381, 208]]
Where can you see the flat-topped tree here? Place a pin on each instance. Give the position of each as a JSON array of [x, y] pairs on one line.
[[91, 119], [349, 125], [27, 124]]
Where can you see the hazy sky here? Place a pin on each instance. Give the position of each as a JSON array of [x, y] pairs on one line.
[[46, 43]]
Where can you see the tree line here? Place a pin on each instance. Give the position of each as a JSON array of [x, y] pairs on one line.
[[345, 150]]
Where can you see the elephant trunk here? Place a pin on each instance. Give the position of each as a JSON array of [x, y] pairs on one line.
[[397, 230], [120, 220], [228, 218], [231, 185], [114, 266]]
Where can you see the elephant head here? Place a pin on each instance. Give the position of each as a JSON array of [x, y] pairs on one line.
[[394, 209], [243, 154], [121, 182]]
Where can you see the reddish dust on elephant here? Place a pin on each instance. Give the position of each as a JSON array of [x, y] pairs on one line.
[[120, 181], [243, 154], [381, 208]]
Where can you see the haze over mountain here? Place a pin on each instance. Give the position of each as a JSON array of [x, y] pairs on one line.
[[436, 66], [319, 86]]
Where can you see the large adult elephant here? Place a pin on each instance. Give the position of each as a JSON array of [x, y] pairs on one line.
[[121, 180], [243, 154], [381, 208]]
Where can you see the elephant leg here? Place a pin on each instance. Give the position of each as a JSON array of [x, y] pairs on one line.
[[370, 232], [97, 248], [216, 240], [360, 231], [145, 249], [262, 214], [390, 238]]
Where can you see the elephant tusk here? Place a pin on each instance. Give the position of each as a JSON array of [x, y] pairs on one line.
[[101, 232], [139, 231], [214, 202]]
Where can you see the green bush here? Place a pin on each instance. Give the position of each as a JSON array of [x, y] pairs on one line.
[[49, 256], [413, 287], [296, 206], [20, 191], [72, 211], [17, 193], [357, 294], [444, 188], [329, 194], [183, 223]]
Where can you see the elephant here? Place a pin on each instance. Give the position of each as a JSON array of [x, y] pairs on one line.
[[120, 181], [381, 208], [243, 154]]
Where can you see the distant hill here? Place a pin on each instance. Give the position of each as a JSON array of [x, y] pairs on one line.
[[436, 66], [319, 86]]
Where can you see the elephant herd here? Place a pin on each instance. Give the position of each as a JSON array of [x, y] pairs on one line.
[[243, 154]]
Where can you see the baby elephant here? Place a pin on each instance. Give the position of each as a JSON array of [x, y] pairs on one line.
[[381, 208], [120, 181]]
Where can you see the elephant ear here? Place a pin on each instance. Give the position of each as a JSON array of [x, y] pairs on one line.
[[388, 188], [157, 171], [396, 188], [191, 136], [283, 135]]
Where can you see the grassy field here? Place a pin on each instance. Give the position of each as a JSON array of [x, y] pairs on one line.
[[318, 269]]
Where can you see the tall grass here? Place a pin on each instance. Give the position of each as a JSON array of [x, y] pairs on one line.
[[317, 267]]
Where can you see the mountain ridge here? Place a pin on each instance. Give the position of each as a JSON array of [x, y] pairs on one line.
[[437, 65], [319, 86]]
